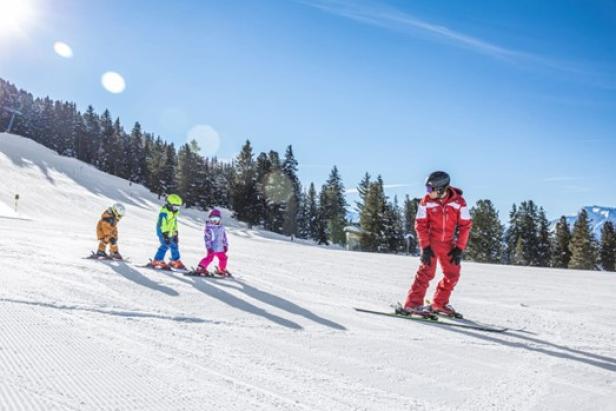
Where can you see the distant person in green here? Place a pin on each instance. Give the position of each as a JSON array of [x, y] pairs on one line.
[[167, 232]]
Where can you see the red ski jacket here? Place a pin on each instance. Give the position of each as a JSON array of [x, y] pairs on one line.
[[438, 219]]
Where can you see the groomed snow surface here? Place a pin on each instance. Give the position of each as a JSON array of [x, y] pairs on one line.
[[82, 334]]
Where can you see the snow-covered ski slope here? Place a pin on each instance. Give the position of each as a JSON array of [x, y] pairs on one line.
[[82, 334]]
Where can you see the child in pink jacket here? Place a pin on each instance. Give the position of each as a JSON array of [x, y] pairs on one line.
[[216, 245]]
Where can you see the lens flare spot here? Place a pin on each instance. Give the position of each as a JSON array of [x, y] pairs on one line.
[[113, 82], [206, 137], [277, 187], [63, 50]]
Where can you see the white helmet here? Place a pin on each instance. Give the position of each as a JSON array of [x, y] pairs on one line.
[[118, 209]]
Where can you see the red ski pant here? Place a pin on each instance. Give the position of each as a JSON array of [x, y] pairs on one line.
[[222, 260], [426, 273]]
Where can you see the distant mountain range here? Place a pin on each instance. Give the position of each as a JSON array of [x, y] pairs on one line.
[[597, 216]]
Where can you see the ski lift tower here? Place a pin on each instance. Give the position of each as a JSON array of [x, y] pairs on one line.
[[13, 114]]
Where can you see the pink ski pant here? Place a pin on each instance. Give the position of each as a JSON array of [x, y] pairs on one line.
[[222, 260]]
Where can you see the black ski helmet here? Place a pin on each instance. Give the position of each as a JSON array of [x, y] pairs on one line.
[[438, 180]]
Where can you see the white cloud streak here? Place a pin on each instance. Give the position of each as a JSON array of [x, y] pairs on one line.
[[378, 14], [557, 179]]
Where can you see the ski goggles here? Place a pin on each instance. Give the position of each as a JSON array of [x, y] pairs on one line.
[[173, 208], [430, 189], [215, 220]]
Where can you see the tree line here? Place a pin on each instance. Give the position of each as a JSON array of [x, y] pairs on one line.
[[264, 190], [261, 189], [529, 241]]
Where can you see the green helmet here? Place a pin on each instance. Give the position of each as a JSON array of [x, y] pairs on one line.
[[174, 200], [118, 209]]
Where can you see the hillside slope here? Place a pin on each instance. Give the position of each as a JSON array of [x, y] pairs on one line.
[[81, 334]]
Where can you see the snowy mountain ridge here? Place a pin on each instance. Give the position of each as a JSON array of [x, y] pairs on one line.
[[89, 335], [597, 216]]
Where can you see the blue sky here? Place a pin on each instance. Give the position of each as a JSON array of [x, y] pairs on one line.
[[516, 100]]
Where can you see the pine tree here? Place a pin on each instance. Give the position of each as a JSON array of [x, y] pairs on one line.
[[302, 217], [118, 151], [544, 240], [512, 235], [486, 239], [410, 213], [393, 232], [46, 124], [528, 232], [335, 207], [244, 194], [137, 165], [103, 157], [219, 178], [263, 169], [167, 175], [154, 161], [321, 234], [65, 138], [201, 184], [290, 168], [92, 140], [519, 257], [189, 173], [560, 253], [607, 251], [362, 190], [312, 213], [82, 143], [523, 236], [371, 218], [582, 245], [277, 188]]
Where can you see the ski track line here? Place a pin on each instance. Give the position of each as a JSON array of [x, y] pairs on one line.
[[174, 351], [517, 387], [71, 369], [86, 289], [15, 397], [333, 396], [318, 381]]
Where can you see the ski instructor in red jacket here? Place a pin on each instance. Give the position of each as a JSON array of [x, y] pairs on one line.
[[443, 225]]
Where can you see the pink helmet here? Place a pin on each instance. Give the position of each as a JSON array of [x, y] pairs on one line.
[[215, 213]]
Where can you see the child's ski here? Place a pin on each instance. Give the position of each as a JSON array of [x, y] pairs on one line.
[[106, 257], [207, 274]]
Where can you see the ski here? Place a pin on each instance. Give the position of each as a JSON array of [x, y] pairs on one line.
[[193, 273], [462, 320], [454, 316], [436, 321], [167, 268], [203, 275], [94, 256], [425, 314], [151, 267]]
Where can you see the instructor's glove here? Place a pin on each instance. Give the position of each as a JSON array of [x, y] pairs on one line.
[[166, 239], [426, 255], [456, 256]]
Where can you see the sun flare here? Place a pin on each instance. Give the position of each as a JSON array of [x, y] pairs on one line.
[[15, 16]]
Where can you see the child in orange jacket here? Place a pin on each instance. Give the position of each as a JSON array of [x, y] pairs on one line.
[[107, 231]]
